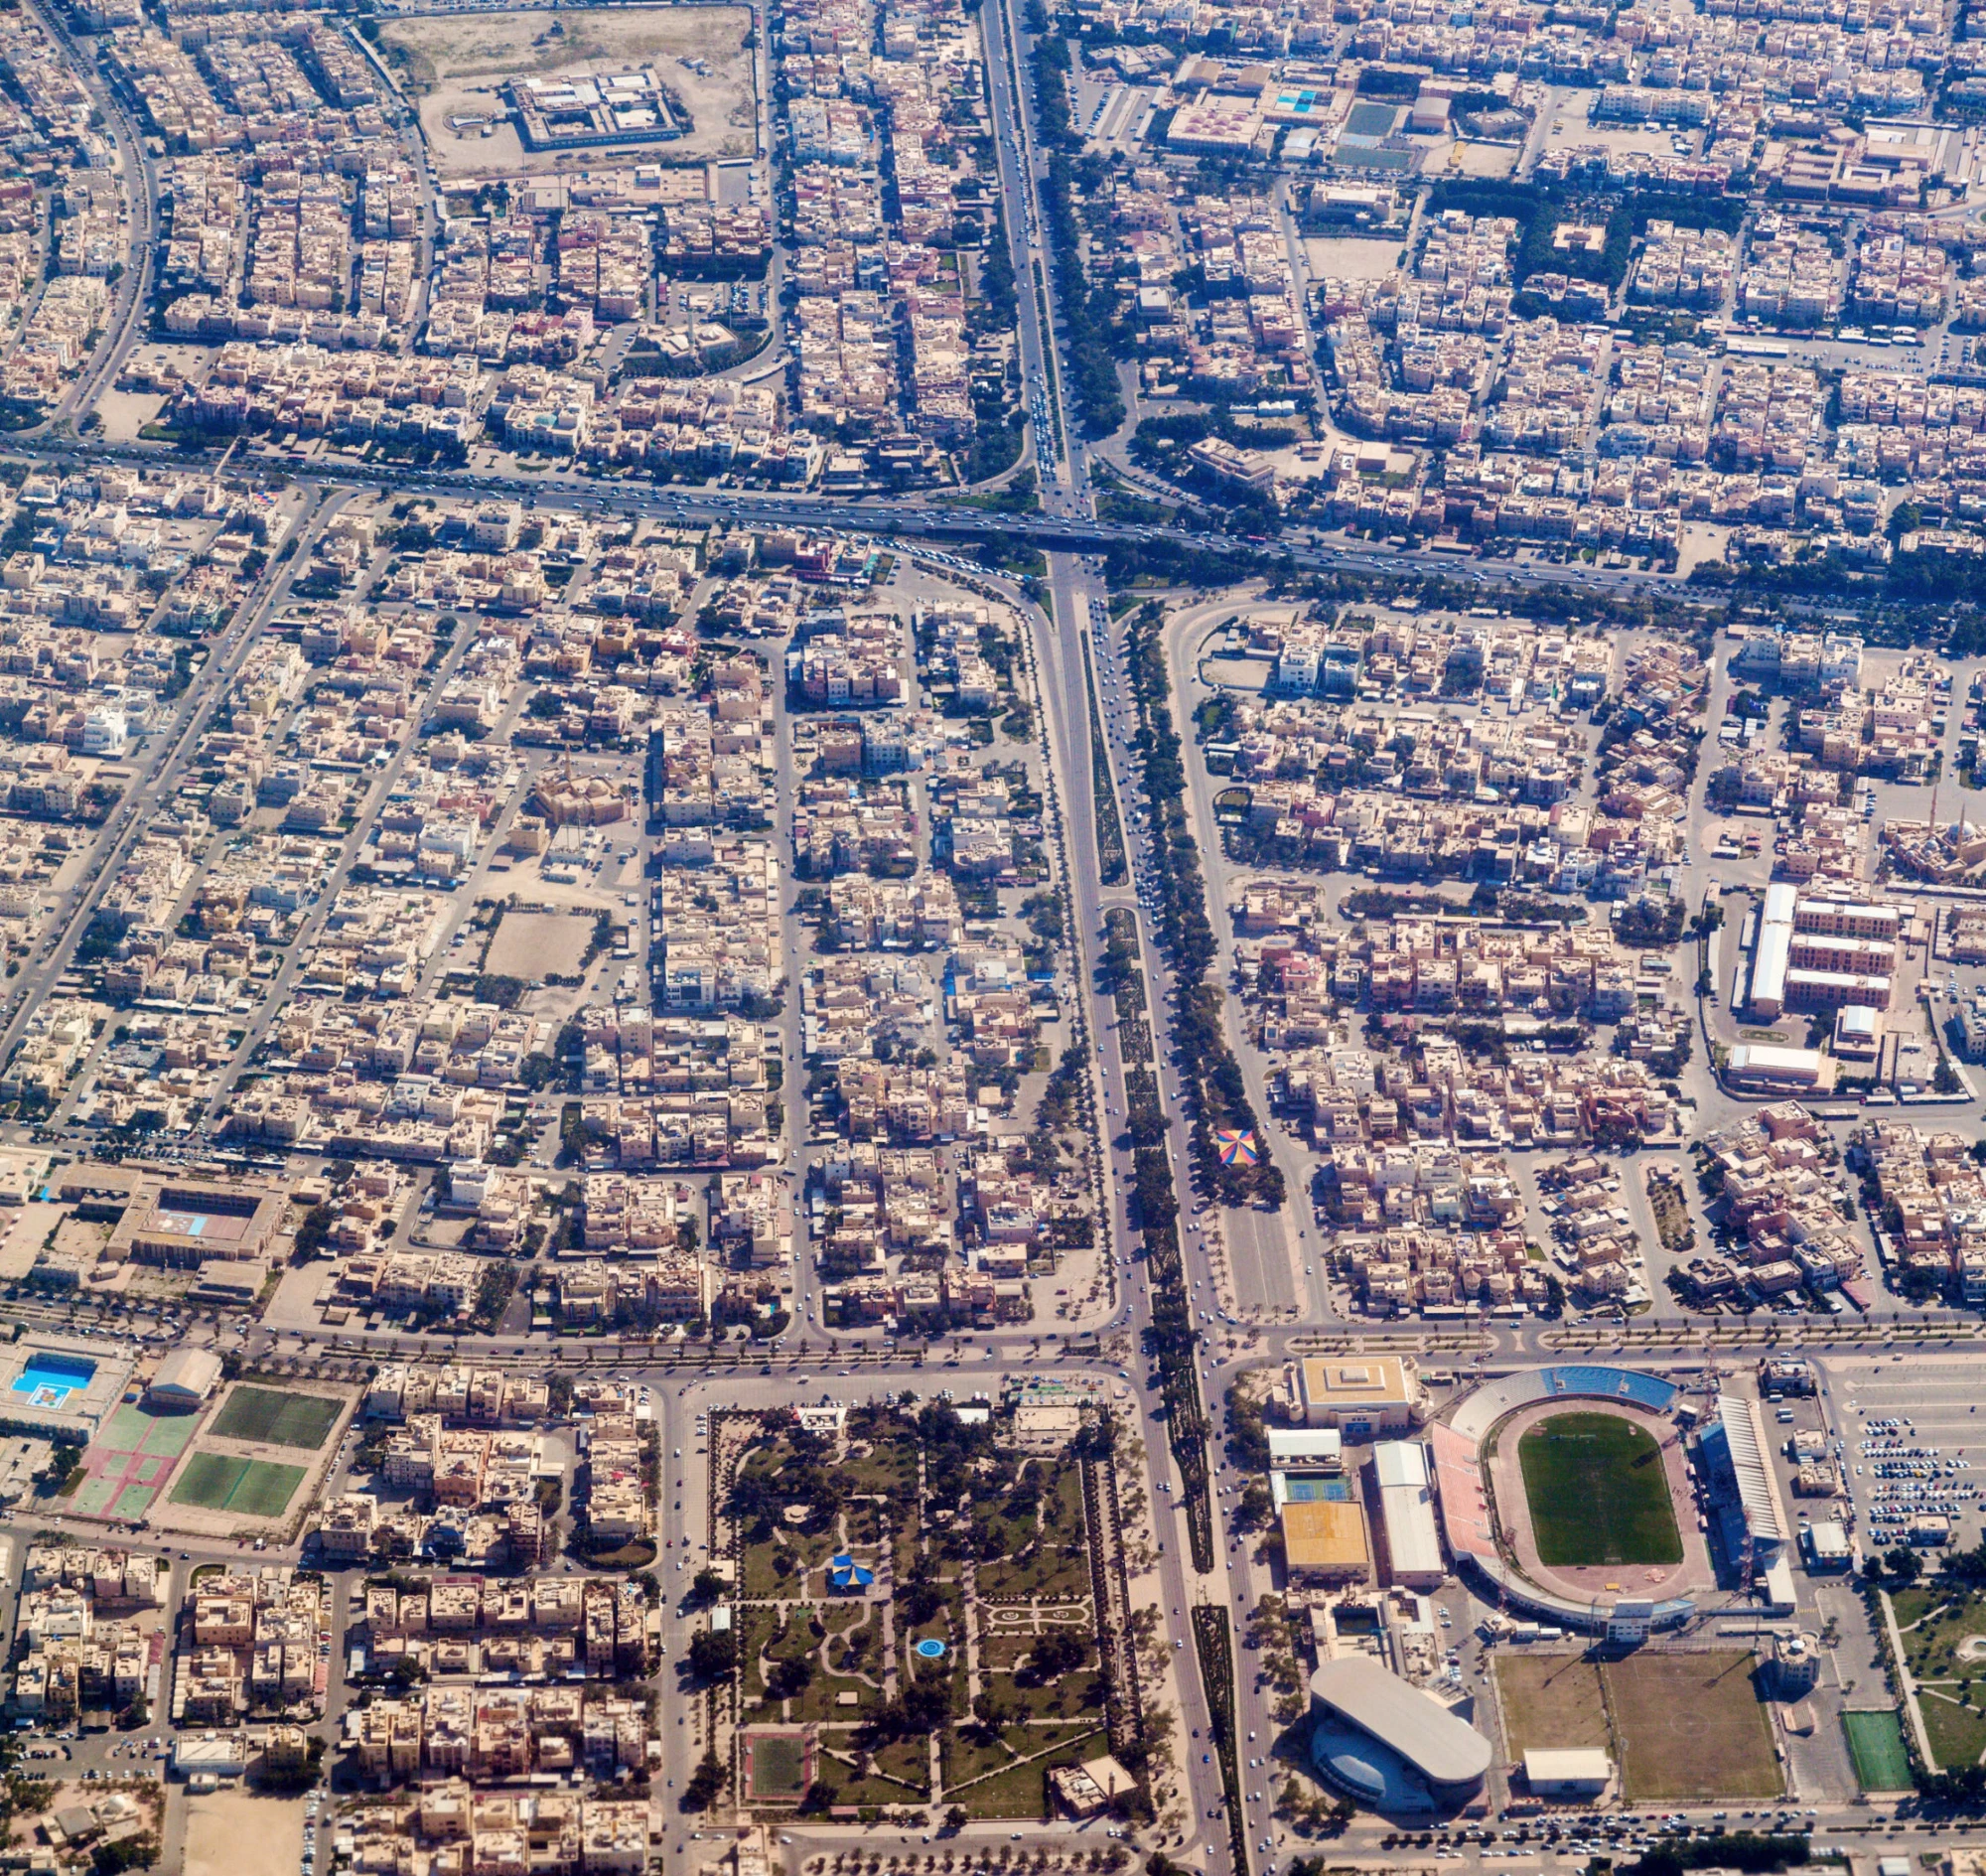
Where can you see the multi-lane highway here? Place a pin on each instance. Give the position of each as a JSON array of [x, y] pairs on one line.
[[1063, 648], [1069, 526]]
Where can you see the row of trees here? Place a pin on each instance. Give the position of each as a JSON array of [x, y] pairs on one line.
[[1088, 353], [1216, 1093]]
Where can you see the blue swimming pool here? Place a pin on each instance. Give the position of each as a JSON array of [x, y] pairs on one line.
[[931, 1650], [48, 1380]]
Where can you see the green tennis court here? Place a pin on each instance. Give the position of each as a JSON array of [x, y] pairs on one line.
[[262, 1416], [220, 1482], [1876, 1744], [129, 1459], [92, 1497], [133, 1502], [132, 1429]]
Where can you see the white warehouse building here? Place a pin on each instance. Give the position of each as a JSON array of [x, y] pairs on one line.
[[1406, 1511]]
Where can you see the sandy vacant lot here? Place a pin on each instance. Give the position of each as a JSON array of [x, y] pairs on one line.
[[457, 63], [231, 1831], [536, 945], [1491, 160], [126, 413], [1348, 258], [23, 1242]]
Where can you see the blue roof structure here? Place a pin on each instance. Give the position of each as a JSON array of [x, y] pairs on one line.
[[844, 1574]]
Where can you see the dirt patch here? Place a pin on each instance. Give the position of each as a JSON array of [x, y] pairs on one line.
[[455, 65], [145, 1795], [1691, 1726], [1702, 541], [23, 1242], [126, 413], [1550, 1703], [1346, 258], [1492, 162], [230, 1831], [536, 945]]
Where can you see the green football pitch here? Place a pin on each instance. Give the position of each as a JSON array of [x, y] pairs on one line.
[[1876, 1744], [264, 1418], [1597, 1492], [218, 1482], [776, 1765]]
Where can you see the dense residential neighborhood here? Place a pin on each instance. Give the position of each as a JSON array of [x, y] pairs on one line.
[[1036, 936]]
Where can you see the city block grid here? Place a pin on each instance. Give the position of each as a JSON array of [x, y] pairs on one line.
[[948, 938]]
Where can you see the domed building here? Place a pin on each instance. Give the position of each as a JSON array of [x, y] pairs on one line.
[[1388, 1745]]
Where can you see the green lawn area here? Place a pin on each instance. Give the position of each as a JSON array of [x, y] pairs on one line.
[[880, 1792], [797, 1639], [1001, 1651], [1062, 1699], [1947, 1617], [820, 1702], [1876, 1744], [1033, 1506], [1913, 1605], [1026, 1741], [908, 1759], [859, 1652], [1598, 1493], [1056, 1573], [1022, 1790], [865, 1524], [1957, 1734], [966, 1758], [754, 1634], [757, 1581], [878, 1473], [817, 1702]]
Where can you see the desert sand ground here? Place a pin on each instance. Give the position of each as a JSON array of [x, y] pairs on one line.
[[538, 944], [231, 1831], [455, 65]]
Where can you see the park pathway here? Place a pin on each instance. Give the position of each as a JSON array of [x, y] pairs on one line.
[[1906, 1682], [890, 1649], [969, 1584]]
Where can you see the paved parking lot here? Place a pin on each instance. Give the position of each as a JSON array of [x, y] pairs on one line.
[[1933, 1401]]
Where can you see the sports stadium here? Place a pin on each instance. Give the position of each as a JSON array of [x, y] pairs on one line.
[[1567, 1491]]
